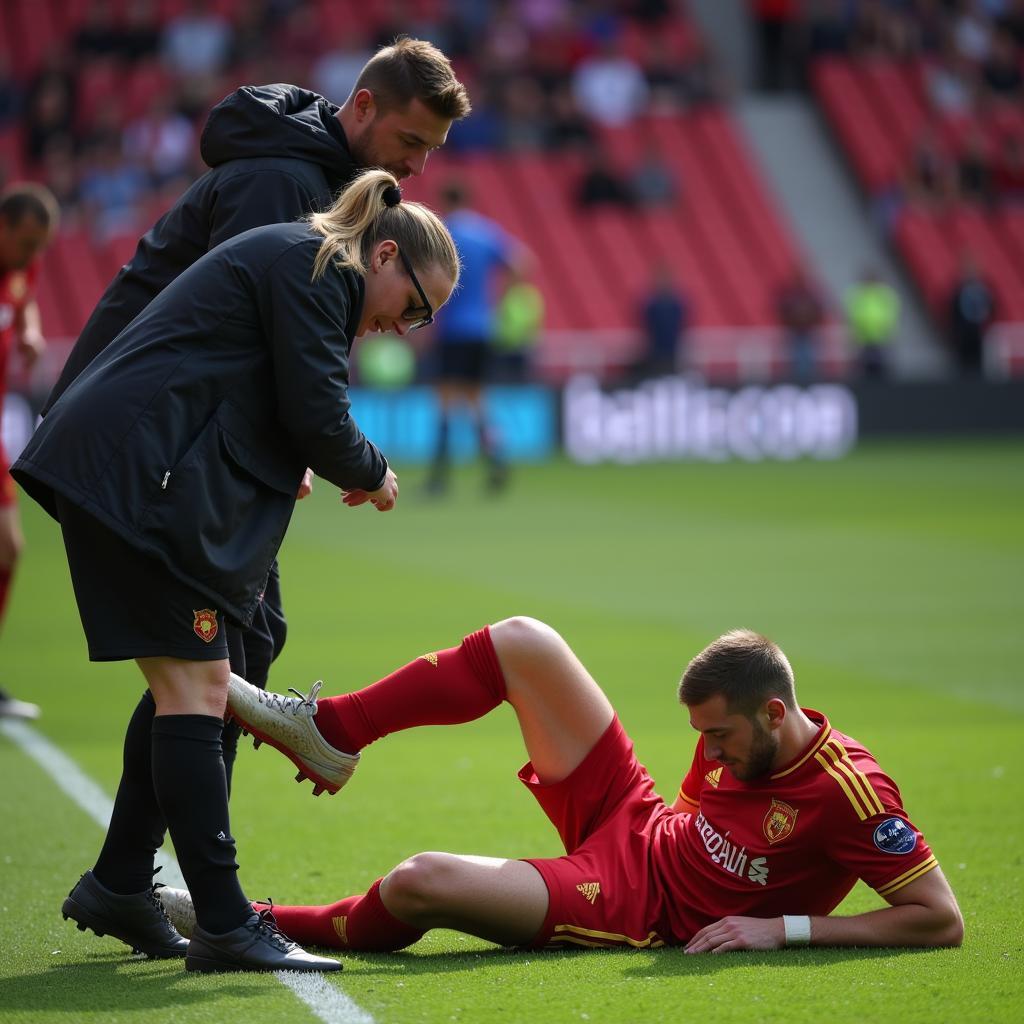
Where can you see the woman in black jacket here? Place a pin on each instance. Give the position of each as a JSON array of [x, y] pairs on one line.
[[172, 463]]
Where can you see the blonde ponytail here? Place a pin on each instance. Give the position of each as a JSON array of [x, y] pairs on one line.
[[369, 210]]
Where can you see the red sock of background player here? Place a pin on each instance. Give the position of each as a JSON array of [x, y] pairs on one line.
[[456, 685], [358, 922]]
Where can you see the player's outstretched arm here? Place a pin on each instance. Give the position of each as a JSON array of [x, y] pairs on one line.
[[923, 913]]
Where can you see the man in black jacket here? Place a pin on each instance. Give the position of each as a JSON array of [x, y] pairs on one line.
[[277, 153]]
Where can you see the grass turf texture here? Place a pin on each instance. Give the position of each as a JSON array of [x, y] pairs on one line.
[[892, 579]]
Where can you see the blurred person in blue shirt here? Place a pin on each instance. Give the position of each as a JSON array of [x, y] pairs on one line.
[[466, 331]]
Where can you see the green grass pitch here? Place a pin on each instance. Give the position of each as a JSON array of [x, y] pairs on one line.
[[894, 579]]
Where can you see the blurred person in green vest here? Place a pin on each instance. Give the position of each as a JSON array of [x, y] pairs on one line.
[[517, 323], [872, 317]]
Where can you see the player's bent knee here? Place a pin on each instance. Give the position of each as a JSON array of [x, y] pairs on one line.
[[420, 885], [523, 640]]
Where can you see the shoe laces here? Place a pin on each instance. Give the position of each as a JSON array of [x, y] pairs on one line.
[[268, 927], [300, 704], [156, 901]]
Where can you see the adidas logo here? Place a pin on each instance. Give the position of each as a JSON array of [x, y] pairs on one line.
[[221, 835], [713, 777], [590, 890], [432, 658]]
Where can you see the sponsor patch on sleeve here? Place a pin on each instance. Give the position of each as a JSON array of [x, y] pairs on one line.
[[894, 835]]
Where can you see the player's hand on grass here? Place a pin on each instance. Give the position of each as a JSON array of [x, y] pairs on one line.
[[733, 933], [306, 487], [384, 498]]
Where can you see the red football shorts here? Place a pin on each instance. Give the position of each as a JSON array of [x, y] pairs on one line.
[[605, 812]]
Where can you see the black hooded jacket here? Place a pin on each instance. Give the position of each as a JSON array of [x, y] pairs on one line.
[[188, 436], [276, 153]]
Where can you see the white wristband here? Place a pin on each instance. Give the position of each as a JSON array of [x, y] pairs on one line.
[[798, 930]]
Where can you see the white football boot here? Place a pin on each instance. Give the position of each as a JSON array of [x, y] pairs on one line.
[[288, 724], [177, 904]]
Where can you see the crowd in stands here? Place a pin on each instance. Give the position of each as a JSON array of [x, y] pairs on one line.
[[968, 61], [110, 117]]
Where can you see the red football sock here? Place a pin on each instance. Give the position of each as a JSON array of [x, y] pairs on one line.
[[456, 685], [358, 922]]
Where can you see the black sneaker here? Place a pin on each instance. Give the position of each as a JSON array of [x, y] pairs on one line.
[[257, 945], [138, 920]]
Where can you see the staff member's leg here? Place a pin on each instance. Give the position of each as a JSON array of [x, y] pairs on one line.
[[132, 607]]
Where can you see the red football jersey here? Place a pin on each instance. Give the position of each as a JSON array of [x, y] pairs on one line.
[[794, 842], [17, 289]]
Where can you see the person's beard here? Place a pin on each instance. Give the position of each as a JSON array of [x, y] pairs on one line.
[[763, 747]]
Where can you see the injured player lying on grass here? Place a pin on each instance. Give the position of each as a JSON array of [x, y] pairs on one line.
[[777, 818]]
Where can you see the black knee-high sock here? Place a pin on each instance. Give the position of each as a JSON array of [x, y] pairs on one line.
[[137, 826], [188, 776]]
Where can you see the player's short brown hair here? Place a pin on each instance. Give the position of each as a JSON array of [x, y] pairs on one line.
[[27, 198], [745, 668], [411, 69]]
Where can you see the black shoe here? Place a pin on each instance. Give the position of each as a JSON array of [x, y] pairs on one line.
[[257, 945], [137, 920]]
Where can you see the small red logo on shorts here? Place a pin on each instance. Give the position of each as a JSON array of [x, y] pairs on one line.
[[205, 623], [779, 822]]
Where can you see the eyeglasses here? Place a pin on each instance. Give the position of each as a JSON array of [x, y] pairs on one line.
[[418, 316]]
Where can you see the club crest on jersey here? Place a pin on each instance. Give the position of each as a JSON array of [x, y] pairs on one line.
[[779, 822], [894, 835], [204, 625]]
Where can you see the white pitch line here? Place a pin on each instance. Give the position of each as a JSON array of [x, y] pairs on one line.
[[326, 1001]]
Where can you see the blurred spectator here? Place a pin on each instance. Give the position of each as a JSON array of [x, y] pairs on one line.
[[567, 126], [664, 316], [50, 104], [1009, 173], [1012, 20], [98, 35], [298, 40], [652, 182], [801, 314], [703, 78], [666, 78], [162, 141], [931, 178], [972, 309], [336, 71], [872, 318], [112, 192], [776, 23], [609, 86], [601, 184], [465, 333], [140, 31], [974, 176], [523, 124], [971, 31], [10, 92], [252, 36], [196, 42], [827, 27], [951, 83], [102, 35], [517, 323], [1001, 71]]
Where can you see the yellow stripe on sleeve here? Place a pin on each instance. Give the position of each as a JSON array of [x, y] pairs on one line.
[[908, 876], [689, 799], [843, 785], [861, 781]]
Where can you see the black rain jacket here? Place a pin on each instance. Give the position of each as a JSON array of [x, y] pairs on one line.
[[188, 436], [277, 152]]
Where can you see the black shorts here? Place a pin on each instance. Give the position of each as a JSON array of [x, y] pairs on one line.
[[464, 362], [130, 604]]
